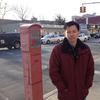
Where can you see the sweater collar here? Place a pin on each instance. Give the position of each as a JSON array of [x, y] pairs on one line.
[[67, 47]]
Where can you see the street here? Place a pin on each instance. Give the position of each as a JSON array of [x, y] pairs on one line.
[[11, 71]]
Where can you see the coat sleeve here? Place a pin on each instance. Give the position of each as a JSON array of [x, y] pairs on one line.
[[54, 70], [90, 71]]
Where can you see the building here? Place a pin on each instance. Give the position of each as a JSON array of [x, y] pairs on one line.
[[13, 26], [92, 23]]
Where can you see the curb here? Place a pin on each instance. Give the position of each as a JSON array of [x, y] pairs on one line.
[[47, 95], [2, 97]]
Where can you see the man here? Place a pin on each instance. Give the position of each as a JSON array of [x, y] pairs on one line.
[[72, 65]]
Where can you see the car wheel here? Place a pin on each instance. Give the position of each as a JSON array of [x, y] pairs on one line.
[[85, 40], [17, 45], [48, 41], [9, 47], [58, 41]]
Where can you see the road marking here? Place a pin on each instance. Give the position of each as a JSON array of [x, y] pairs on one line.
[[47, 95]]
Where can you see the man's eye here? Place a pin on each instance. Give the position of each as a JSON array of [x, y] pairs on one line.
[[74, 32], [68, 32]]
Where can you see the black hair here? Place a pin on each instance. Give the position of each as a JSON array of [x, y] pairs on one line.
[[70, 23]]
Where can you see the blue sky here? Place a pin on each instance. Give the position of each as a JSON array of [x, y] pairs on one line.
[[48, 9]]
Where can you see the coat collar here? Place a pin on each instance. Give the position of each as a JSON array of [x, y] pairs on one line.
[[66, 47]]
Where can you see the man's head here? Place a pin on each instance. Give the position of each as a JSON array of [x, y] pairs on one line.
[[72, 30]]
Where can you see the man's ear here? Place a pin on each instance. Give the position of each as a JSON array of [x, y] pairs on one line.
[[78, 32], [65, 33]]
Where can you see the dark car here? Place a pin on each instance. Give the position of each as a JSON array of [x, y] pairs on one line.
[[97, 35], [10, 40]]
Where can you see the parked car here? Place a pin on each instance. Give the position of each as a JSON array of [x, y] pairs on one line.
[[10, 40], [61, 36], [83, 37], [89, 36], [97, 35], [51, 38]]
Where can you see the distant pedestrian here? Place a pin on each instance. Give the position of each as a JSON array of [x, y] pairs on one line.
[[71, 65]]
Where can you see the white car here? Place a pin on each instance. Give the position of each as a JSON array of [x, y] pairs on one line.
[[50, 38], [61, 36], [83, 37], [89, 36]]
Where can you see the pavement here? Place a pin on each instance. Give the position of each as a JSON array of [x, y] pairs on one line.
[[94, 93]]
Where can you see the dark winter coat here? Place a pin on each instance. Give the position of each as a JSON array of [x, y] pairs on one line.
[[71, 70]]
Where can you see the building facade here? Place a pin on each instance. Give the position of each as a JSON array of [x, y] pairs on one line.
[[92, 23], [13, 26]]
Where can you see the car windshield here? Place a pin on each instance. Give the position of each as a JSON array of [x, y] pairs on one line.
[[47, 36], [61, 35]]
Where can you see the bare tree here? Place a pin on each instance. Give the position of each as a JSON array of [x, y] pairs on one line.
[[60, 20], [21, 12], [33, 19], [3, 9]]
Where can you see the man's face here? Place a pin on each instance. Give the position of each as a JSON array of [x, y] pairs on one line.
[[72, 33]]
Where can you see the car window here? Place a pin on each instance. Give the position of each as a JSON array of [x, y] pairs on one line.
[[61, 35], [55, 35], [52, 36], [46, 36]]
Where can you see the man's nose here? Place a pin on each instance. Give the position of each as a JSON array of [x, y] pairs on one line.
[[71, 33]]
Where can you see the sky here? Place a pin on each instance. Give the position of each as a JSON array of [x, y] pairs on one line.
[[49, 9]]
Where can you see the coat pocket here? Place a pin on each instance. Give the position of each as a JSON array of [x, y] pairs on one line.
[[85, 92], [64, 95]]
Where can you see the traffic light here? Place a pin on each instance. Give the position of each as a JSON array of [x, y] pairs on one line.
[[82, 9]]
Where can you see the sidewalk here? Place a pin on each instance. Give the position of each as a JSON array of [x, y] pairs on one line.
[[94, 94]]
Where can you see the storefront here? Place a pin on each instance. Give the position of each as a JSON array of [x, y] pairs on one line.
[[93, 24]]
